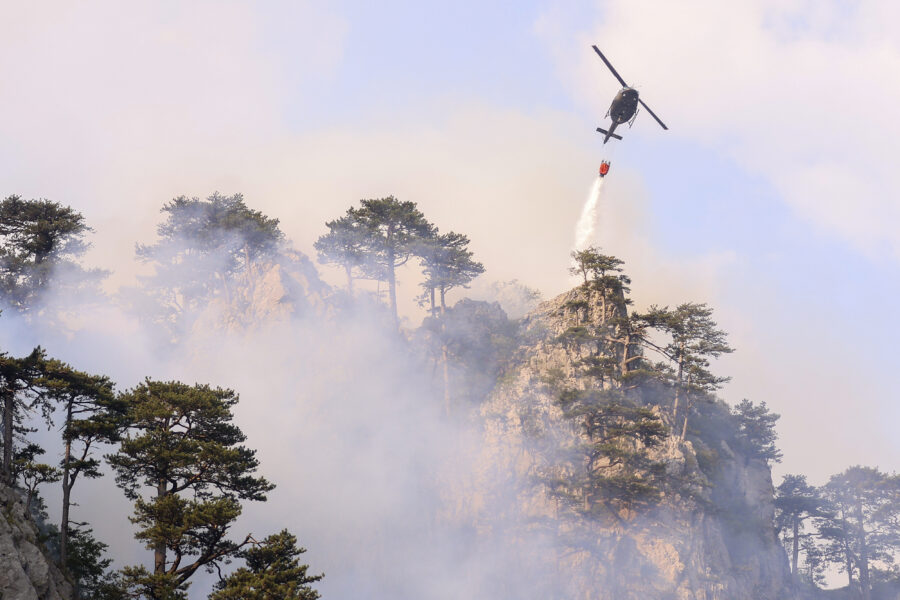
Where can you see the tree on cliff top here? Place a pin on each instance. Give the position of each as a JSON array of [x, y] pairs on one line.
[[344, 245], [756, 433], [391, 232], [38, 239], [183, 446], [203, 245], [447, 263], [694, 338]]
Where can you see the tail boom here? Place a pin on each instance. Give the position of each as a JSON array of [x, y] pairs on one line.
[[609, 134]]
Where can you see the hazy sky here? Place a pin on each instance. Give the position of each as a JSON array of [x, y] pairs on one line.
[[772, 196]]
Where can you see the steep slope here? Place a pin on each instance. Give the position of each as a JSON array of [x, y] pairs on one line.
[[710, 536], [26, 573]]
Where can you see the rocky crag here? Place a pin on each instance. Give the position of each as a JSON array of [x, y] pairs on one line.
[[26, 572], [710, 536]]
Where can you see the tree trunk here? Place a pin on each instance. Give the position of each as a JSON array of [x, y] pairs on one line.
[[796, 547], [9, 398], [444, 364], [603, 305], [392, 285], [848, 562], [67, 490], [678, 379], [864, 583], [159, 550], [349, 271]]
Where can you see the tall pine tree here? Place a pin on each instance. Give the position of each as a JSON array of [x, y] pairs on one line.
[[182, 445], [393, 231]]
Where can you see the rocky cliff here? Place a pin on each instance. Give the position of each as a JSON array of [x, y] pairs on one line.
[[26, 573], [268, 293], [710, 536]]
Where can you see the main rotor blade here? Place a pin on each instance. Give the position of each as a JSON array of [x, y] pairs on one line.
[[608, 64], [653, 114]]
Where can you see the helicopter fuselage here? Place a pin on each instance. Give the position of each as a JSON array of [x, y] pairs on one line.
[[623, 106]]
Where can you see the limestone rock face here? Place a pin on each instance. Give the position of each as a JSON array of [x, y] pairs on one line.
[[268, 294], [26, 573], [715, 541]]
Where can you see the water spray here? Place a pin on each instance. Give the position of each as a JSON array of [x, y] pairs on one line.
[[587, 222]]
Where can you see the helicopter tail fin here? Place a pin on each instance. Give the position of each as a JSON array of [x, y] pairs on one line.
[[608, 135]]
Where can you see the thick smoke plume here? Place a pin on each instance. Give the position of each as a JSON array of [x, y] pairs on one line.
[[348, 419]]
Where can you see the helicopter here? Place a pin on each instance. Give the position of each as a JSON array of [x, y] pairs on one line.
[[624, 106]]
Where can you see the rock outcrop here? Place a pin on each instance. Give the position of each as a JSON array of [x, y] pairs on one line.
[[26, 572], [713, 539], [268, 294]]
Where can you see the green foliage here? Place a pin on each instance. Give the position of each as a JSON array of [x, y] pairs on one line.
[[88, 566], [34, 474], [477, 340], [756, 431], [203, 246], [182, 445], [447, 263], [37, 238], [795, 502], [20, 395], [345, 245], [693, 340], [91, 415], [273, 572], [861, 523], [138, 582], [219, 224], [592, 265], [618, 474], [393, 232]]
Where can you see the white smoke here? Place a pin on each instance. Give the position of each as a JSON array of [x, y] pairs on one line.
[[587, 222], [347, 419]]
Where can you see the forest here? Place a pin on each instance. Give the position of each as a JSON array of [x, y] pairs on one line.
[[632, 383]]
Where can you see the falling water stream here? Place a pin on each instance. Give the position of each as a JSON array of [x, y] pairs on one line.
[[587, 223]]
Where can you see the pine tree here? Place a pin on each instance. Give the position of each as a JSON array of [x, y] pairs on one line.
[[91, 415], [203, 246], [756, 431], [618, 473], [20, 395], [393, 231], [182, 445], [344, 245], [38, 238], [694, 339], [447, 263], [863, 526], [795, 502], [273, 572], [34, 474]]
